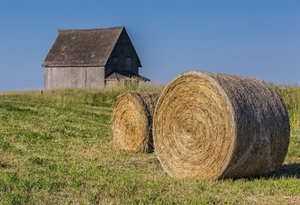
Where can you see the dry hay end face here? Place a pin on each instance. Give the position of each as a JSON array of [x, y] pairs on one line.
[[214, 126], [132, 121]]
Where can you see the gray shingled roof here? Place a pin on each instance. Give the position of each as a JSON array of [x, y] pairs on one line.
[[89, 47]]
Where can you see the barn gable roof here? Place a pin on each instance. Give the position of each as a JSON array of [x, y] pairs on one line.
[[88, 47]]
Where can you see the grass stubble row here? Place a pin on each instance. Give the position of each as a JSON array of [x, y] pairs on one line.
[[207, 126]]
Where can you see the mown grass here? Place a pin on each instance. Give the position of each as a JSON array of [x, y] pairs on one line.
[[56, 148]]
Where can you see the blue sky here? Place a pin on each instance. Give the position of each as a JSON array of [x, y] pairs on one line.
[[256, 38]]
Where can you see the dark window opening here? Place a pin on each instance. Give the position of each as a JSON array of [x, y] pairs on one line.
[[128, 63]]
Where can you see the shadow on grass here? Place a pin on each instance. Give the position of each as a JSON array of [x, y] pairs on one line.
[[288, 170]]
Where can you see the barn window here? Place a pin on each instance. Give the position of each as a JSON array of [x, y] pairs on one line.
[[128, 63], [115, 62]]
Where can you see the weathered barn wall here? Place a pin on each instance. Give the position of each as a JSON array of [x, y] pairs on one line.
[[123, 56], [74, 77]]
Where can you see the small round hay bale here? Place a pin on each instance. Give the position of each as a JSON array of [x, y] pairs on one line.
[[213, 126], [132, 121]]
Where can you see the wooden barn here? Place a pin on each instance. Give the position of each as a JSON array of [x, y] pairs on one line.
[[91, 58]]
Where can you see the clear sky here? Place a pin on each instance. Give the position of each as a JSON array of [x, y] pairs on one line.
[[256, 38]]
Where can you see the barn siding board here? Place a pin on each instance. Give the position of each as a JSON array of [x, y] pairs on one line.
[[95, 77], [74, 77]]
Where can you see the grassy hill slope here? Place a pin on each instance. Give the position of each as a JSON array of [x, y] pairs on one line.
[[56, 148]]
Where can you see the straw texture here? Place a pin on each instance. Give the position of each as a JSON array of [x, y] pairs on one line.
[[213, 126], [132, 121]]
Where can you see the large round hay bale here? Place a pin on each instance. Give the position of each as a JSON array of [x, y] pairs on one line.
[[132, 121], [214, 126]]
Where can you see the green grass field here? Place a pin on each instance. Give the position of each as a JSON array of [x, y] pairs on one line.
[[57, 148]]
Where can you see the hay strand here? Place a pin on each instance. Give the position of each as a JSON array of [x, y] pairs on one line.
[[132, 121], [214, 126]]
